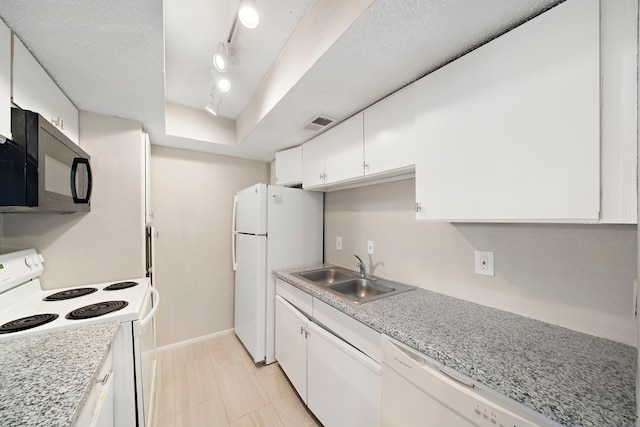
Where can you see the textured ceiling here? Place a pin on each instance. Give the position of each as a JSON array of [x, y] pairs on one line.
[[109, 57]]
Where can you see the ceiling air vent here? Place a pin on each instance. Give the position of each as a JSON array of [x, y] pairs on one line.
[[318, 123]]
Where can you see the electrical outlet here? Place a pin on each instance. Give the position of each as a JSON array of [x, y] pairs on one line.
[[339, 243], [370, 247], [484, 263]]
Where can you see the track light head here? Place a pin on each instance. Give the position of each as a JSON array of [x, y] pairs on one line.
[[248, 14], [224, 57]]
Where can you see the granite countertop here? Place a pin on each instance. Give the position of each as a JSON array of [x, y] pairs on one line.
[[571, 377], [45, 379]]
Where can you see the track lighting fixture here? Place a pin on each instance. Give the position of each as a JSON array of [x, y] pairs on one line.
[[223, 85], [224, 57], [248, 14], [213, 106]]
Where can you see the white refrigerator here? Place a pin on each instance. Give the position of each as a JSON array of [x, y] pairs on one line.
[[273, 228]]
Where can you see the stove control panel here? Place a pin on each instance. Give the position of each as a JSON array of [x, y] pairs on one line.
[[33, 260], [17, 268]]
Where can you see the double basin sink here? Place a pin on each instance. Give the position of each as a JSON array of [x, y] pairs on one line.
[[351, 285]]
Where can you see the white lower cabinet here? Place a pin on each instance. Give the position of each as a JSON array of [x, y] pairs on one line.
[[291, 345], [343, 384], [98, 409], [337, 381]]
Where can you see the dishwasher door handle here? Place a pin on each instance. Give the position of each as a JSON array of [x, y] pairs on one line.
[[456, 376]]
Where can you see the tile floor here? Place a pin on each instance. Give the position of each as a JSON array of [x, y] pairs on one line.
[[215, 383]]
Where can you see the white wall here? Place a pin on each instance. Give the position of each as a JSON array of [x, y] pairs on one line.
[[577, 276], [192, 201], [107, 243]]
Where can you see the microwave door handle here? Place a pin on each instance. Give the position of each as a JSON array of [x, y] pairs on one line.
[[234, 262], [74, 169]]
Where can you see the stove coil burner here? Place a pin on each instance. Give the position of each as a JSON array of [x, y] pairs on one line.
[[69, 294], [95, 310], [121, 285], [27, 323]]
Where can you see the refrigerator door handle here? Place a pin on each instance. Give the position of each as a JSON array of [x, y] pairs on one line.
[[233, 234]]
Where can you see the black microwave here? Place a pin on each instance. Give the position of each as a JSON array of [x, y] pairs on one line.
[[41, 169]]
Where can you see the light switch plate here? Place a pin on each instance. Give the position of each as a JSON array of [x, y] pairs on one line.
[[339, 243], [484, 263], [370, 248]]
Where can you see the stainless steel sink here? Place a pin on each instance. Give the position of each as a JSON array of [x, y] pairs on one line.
[[360, 288], [325, 275], [351, 285]]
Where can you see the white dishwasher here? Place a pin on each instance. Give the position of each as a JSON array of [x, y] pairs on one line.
[[417, 391]]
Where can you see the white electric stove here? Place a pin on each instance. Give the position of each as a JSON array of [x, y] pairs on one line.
[[25, 309]]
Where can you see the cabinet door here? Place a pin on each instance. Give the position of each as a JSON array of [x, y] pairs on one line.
[[103, 415], [619, 56], [344, 151], [5, 82], [343, 383], [291, 345], [313, 154], [511, 131], [34, 90], [389, 133], [289, 166]]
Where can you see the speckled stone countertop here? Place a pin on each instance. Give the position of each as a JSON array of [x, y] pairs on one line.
[[45, 379], [573, 378]]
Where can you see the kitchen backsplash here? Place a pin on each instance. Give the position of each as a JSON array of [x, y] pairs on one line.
[[576, 276]]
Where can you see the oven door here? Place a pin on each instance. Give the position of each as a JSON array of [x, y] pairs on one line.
[[145, 357]]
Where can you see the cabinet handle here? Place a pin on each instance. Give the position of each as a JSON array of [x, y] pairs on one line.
[[301, 330], [59, 123], [366, 166], [306, 333], [418, 207], [104, 380]]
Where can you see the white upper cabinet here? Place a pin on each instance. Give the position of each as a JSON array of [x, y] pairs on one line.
[[618, 68], [289, 166], [313, 154], [34, 90], [336, 156], [511, 131], [389, 135], [5, 82]]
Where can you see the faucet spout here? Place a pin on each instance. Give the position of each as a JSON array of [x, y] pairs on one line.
[[361, 266]]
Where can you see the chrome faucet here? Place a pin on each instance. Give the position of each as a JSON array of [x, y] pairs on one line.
[[361, 267]]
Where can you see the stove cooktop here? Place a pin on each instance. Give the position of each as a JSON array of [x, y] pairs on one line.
[[27, 323], [69, 294], [28, 309], [95, 310], [120, 285]]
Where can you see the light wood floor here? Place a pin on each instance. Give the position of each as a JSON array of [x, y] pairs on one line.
[[215, 383]]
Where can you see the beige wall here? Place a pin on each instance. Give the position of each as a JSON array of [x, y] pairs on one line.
[[577, 276], [192, 196], [106, 244]]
